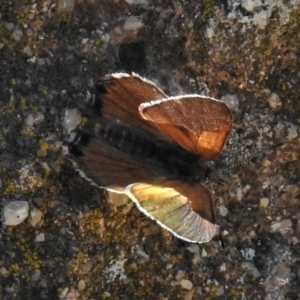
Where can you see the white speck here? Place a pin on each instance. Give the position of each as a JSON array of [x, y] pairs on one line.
[[15, 212], [133, 23], [32, 59], [250, 5], [210, 29], [225, 232], [223, 210], [135, 2], [115, 270], [34, 119], [140, 252], [84, 41], [248, 253], [223, 267], [292, 131], [239, 192], [72, 119]]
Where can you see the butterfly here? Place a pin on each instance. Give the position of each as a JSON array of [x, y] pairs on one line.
[[156, 149]]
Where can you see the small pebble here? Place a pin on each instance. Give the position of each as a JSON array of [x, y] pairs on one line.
[[180, 275], [232, 101], [292, 131], [17, 34], [135, 2], [35, 216], [193, 248], [27, 50], [223, 210], [72, 119], [34, 119], [87, 267], [248, 253], [220, 290], [223, 267], [247, 265], [81, 285], [186, 284], [133, 23], [9, 26], [274, 101], [36, 275], [3, 271], [251, 5], [204, 253], [66, 5], [281, 226], [264, 202], [282, 270], [115, 270], [40, 237], [15, 212]]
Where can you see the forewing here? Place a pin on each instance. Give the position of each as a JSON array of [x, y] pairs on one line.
[[183, 209], [119, 96], [199, 124]]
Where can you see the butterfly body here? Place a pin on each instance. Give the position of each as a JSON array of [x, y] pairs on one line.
[[173, 161], [155, 150]]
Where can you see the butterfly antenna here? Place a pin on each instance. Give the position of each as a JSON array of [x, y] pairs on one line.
[[79, 140]]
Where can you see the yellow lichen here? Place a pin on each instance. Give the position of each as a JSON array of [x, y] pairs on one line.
[[8, 109], [23, 103], [45, 91], [83, 121], [43, 145], [10, 187], [27, 132]]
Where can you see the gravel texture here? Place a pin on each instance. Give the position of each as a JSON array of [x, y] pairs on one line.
[[75, 244]]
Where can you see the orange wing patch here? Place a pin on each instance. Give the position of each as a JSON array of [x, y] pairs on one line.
[[199, 124]]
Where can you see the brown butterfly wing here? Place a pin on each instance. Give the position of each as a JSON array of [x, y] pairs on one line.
[[111, 168], [199, 124], [183, 209], [121, 94]]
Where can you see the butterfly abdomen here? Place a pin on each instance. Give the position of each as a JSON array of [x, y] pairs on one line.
[[128, 140], [177, 162]]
